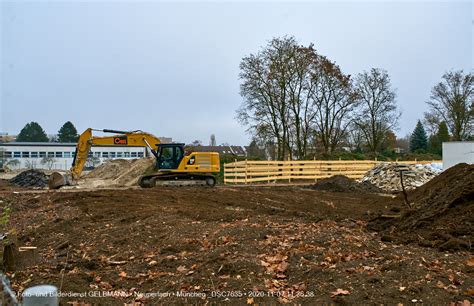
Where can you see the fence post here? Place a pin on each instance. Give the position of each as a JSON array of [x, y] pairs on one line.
[[291, 169], [315, 179], [235, 170], [246, 171], [268, 176]]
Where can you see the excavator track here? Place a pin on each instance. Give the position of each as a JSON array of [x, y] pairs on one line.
[[177, 179]]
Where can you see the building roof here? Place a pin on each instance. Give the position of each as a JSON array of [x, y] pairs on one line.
[[235, 150], [38, 144], [51, 144]]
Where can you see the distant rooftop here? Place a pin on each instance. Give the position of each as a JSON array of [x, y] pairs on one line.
[[49, 144], [235, 150]]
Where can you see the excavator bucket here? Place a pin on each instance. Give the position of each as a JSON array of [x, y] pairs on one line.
[[57, 180]]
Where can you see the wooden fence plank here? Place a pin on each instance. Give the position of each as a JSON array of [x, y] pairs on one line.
[[266, 171]]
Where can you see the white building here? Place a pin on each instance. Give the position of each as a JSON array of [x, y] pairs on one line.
[[54, 155], [455, 152]]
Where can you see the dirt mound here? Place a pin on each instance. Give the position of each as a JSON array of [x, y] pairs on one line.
[[30, 178], [341, 183], [121, 172], [442, 214]]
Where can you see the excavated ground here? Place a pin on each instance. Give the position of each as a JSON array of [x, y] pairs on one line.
[[252, 245]]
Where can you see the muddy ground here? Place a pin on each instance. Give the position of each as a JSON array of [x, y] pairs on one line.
[[235, 244]]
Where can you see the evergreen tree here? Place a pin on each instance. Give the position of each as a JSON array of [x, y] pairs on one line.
[[418, 140], [32, 132], [68, 133], [436, 141]]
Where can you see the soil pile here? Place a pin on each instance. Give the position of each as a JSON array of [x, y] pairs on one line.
[[121, 172], [341, 183], [30, 178], [387, 176], [442, 214]]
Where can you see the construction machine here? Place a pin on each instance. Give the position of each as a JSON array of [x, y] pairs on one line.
[[172, 163]]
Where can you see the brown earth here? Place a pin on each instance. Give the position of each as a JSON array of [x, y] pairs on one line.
[[442, 213], [117, 172], [251, 244], [341, 183]]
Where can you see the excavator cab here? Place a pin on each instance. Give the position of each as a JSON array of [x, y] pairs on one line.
[[169, 155], [171, 161]]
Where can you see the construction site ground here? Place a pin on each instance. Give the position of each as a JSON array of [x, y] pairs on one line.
[[235, 244]]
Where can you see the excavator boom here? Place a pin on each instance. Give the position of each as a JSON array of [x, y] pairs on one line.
[[171, 160]]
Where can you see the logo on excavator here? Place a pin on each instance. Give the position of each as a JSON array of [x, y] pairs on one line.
[[120, 140]]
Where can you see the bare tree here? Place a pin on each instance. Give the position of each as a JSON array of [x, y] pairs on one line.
[[264, 87], [291, 93], [196, 143], [378, 112], [212, 141], [12, 163], [92, 161], [334, 103], [452, 101], [48, 161], [355, 138]]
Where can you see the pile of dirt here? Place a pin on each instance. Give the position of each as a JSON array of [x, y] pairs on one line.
[[341, 183], [121, 172], [30, 178], [386, 176], [442, 214]]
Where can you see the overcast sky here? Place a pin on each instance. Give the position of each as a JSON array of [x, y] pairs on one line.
[[172, 68]]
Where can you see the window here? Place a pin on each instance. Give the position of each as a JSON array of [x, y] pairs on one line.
[[96, 154], [119, 154], [105, 154], [140, 154], [134, 154], [42, 154], [8, 154], [112, 154], [17, 154], [58, 154], [67, 154], [126, 154], [88, 154], [50, 154], [25, 154], [34, 154]]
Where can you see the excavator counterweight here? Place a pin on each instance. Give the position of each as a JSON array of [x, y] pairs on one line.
[[172, 163]]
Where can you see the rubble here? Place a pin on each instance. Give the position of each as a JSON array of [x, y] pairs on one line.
[[386, 176], [30, 178]]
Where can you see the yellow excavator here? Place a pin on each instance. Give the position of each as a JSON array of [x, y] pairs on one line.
[[172, 163]]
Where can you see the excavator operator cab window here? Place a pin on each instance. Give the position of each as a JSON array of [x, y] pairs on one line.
[[169, 156]]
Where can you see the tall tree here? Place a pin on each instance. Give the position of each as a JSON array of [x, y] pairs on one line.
[[435, 144], [67, 133], [212, 141], [418, 140], [378, 112], [32, 132], [264, 87], [293, 95], [334, 104], [452, 101]]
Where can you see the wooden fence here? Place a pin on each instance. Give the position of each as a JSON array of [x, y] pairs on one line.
[[249, 171]]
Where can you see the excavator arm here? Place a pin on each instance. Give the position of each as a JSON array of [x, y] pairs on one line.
[[87, 140]]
